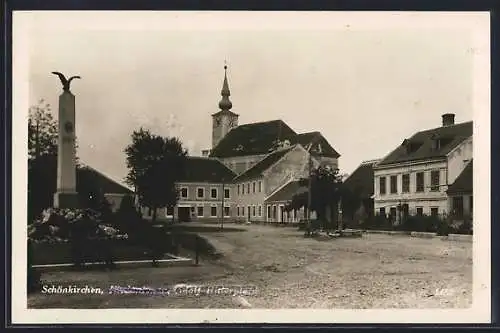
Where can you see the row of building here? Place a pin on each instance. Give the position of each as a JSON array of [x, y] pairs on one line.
[[252, 170]]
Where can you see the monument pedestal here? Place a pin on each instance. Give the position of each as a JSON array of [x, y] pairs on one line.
[[66, 200]]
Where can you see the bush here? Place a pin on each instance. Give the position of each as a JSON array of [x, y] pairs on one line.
[[377, 222], [423, 223], [465, 228], [80, 227], [443, 228], [127, 218]]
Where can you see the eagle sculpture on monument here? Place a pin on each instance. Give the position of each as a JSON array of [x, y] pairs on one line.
[[66, 82]]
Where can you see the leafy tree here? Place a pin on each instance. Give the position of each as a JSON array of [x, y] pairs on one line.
[[326, 191], [155, 165], [42, 131], [42, 158]]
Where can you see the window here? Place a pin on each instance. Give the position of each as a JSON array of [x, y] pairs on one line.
[[170, 211], [213, 193], [227, 211], [268, 212], [458, 206], [184, 192], [149, 211], [274, 212], [243, 211], [248, 188], [420, 182], [200, 211], [382, 211], [434, 211], [406, 183], [248, 211], [226, 193], [260, 210], [435, 180], [238, 211], [253, 210], [238, 189], [405, 210], [260, 186], [200, 192], [394, 184], [382, 185], [213, 211], [420, 211], [253, 187]]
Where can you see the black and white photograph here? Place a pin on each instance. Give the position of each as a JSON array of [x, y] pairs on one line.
[[239, 167]]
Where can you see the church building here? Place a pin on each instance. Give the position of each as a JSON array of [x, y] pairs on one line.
[[246, 166]]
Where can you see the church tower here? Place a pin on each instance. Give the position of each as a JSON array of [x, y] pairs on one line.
[[224, 120]]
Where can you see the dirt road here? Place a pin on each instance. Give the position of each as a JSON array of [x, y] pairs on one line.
[[290, 271]]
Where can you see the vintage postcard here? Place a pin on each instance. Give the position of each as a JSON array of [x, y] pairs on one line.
[[251, 167]]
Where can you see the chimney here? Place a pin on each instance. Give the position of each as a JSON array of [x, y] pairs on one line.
[[448, 119]]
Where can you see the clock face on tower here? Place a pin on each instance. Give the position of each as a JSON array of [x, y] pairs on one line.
[[68, 126]]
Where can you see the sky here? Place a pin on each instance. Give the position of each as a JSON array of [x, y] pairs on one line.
[[366, 81]]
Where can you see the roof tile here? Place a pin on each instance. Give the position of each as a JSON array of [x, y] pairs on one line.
[[206, 170], [420, 145]]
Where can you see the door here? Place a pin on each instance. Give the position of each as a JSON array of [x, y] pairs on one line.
[[184, 214]]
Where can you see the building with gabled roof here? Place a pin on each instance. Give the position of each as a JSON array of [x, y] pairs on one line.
[[277, 202], [358, 192], [413, 179], [460, 193], [265, 179], [205, 192], [245, 165], [93, 183]]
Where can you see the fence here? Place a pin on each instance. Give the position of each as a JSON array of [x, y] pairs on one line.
[[442, 224]]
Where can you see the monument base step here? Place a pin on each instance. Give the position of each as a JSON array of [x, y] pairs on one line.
[[66, 200]]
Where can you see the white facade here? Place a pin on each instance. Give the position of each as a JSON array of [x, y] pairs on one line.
[[427, 199], [251, 194]]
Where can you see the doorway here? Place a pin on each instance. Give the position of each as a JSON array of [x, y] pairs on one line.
[[184, 214]]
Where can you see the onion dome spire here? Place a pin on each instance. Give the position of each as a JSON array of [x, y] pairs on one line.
[[225, 103]]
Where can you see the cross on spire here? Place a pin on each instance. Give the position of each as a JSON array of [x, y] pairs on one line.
[[225, 103]]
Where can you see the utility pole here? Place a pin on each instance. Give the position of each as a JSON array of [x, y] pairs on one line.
[[309, 192], [222, 213]]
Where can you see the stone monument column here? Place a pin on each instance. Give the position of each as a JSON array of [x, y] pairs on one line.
[[66, 195]]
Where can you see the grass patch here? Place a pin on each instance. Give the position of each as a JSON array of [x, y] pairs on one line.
[[195, 243], [61, 253]]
